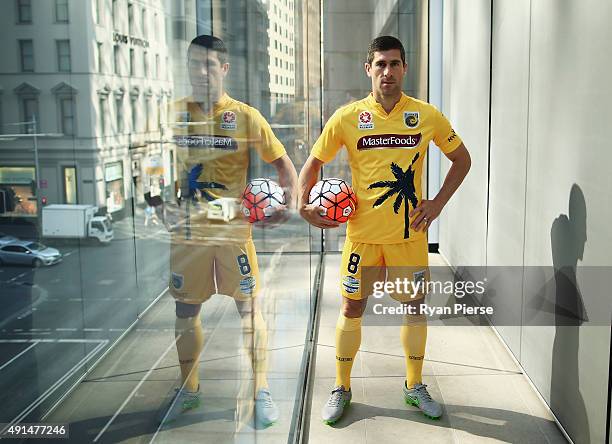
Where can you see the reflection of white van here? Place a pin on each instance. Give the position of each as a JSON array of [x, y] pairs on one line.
[[77, 222]]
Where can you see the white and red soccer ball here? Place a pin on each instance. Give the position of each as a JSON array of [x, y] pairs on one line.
[[336, 197], [261, 198]]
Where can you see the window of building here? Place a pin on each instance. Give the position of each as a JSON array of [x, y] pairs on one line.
[[70, 184], [144, 22], [167, 69], [24, 11], [275, 44], [61, 11], [29, 109], [99, 11], [26, 51], [67, 116], [147, 115], [116, 69], [119, 113], [155, 26], [100, 57], [114, 13], [145, 63], [156, 75], [63, 55], [134, 109], [102, 111], [130, 18], [132, 63]]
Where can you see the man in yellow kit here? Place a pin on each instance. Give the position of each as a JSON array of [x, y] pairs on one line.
[[214, 135], [386, 135]]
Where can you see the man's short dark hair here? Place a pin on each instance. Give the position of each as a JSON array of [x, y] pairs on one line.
[[212, 43], [385, 43]]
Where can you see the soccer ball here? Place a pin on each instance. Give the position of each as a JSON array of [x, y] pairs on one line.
[[260, 199], [336, 197]]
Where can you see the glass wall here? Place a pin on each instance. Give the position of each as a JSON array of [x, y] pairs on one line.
[[344, 76], [124, 154]]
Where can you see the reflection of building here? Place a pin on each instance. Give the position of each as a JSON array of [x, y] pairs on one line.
[[97, 72], [281, 41]]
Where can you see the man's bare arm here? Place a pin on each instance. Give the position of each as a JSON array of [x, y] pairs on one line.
[[287, 178], [308, 177]]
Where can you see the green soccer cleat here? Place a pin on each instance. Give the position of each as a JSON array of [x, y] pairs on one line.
[[419, 397], [181, 402], [334, 408]]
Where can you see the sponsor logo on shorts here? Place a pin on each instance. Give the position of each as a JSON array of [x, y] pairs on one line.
[[364, 121], [415, 358], [381, 141], [224, 143], [247, 285], [411, 119], [341, 359], [228, 120], [350, 284], [177, 280]]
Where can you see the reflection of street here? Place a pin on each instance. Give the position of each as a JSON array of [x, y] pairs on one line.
[[53, 320]]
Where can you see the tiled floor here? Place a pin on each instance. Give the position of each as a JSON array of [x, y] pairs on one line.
[[486, 397]]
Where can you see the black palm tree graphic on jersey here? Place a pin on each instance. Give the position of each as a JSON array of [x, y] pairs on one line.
[[194, 184], [403, 186]]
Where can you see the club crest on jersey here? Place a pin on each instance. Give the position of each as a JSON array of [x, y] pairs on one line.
[[365, 120], [411, 119], [228, 120]]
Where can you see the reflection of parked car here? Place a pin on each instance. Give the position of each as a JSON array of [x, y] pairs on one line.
[[29, 253], [7, 239]]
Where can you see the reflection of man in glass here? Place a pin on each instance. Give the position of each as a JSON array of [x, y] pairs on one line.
[[214, 134]]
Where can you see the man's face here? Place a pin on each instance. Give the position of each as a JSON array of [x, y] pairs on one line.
[[387, 72], [206, 73]]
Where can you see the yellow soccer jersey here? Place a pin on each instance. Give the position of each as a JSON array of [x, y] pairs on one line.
[[386, 154], [213, 155]]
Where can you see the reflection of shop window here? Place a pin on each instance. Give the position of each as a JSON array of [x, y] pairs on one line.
[[113, 176], [19, 182], [70, 185]]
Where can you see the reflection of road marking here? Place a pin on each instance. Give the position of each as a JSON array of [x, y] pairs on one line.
[[131, 395], [106, 282], [101, 344], [69, 253], [19, 276], [43, 297], [65, 329], [32, 345]]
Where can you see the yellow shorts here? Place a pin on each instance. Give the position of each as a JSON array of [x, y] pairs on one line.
[[195, 268], [405, 260]]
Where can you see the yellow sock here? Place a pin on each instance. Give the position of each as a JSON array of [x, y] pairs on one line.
[[414, 336], [255, 338], [348, 339], [189, 341]]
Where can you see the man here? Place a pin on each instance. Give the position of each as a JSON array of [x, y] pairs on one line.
[[214, 134], [386, 135]]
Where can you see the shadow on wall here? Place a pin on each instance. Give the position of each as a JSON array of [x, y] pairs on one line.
[[568, 238]]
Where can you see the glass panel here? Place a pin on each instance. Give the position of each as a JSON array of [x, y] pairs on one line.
[[118, 202]]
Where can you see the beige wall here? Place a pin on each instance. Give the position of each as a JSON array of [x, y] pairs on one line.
[[550, 92]]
